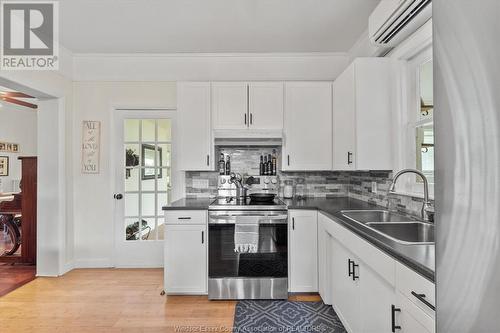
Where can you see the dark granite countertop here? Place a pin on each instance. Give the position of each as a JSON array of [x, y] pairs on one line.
[[189, 204], [420, 258]]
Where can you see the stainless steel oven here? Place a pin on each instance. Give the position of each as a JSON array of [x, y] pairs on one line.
[[258, 274]]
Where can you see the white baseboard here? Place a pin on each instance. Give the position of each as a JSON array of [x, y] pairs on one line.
[[140, 266], [93, 263], [68, 267]]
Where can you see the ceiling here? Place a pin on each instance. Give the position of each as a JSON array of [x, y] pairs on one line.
[[212, 26]]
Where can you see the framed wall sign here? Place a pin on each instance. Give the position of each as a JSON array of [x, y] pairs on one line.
[[4, 166], [91, 146], [7, 147]]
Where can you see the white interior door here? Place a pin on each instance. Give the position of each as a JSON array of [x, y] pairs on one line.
[[143, 177]]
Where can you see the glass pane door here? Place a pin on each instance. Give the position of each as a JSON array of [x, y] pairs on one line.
[[147, 149]]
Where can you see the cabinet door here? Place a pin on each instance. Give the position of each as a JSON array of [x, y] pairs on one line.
[[412, 319], [230, 105], [303, 251], [345, 291], [324, 260], [195, 142], [266, 105], [185, 259], [377, 297], [374, 120], [344, 133], [308, 126]]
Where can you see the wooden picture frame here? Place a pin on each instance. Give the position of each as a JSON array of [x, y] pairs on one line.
[[7, 147], [4, 166], [148, 161]]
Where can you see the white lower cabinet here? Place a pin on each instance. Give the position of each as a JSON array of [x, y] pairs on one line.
[[346, 296], [303, 251], [370, 291], [185, 255], [377, 298], [324, 260]]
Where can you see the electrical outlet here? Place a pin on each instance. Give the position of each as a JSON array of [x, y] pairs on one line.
[[200, 183], [374, 187]]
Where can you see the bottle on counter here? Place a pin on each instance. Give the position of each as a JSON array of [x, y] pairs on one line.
[[228, 165], [274, 164], [222, 165], [261, 165], [264, 168], [269, 165], [288, 189]]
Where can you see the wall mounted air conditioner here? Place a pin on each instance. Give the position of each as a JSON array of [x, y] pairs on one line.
[[392, 21]]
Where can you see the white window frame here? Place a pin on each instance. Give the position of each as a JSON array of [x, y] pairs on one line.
[[411, 54]]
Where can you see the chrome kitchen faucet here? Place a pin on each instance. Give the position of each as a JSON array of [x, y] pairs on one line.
[[427, 208]]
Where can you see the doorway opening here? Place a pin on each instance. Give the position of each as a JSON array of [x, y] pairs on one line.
[[18, 188]]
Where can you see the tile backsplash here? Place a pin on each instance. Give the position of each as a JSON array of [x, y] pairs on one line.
[[246, 161], [355, 184], [360, 188], [317, 184]]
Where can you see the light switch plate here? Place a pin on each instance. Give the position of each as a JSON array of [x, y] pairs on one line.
[[200, 183], [374, 187]]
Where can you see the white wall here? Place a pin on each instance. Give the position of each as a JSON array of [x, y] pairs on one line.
[[85, 215], [17, 125], [93, 194]]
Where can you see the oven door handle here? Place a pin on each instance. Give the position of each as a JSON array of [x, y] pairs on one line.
[[262, 219]]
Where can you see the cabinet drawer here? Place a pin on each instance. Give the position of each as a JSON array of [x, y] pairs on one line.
[[185, 217], [410, 283]]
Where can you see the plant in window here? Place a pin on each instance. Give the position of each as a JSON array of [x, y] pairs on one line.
[[131, 160]]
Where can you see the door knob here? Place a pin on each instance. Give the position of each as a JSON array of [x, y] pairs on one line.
[[118, 196]]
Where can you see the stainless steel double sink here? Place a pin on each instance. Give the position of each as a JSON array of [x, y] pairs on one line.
[[398, 228]]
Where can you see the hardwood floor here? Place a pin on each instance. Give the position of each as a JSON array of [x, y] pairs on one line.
[[14, 276], [112, 300]]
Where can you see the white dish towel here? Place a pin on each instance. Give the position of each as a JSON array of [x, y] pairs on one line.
[[246, 234]]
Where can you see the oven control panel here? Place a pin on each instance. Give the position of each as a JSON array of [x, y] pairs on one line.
[[254, 184]]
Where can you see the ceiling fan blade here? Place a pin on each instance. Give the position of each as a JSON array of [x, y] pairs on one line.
[[18, 102], [15, 94]]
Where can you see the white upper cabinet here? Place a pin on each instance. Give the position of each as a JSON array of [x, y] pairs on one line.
[[265, 105], [362, 117], [230, 105], [194, 132], [344, 122], [242, 105], [308, 126]]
